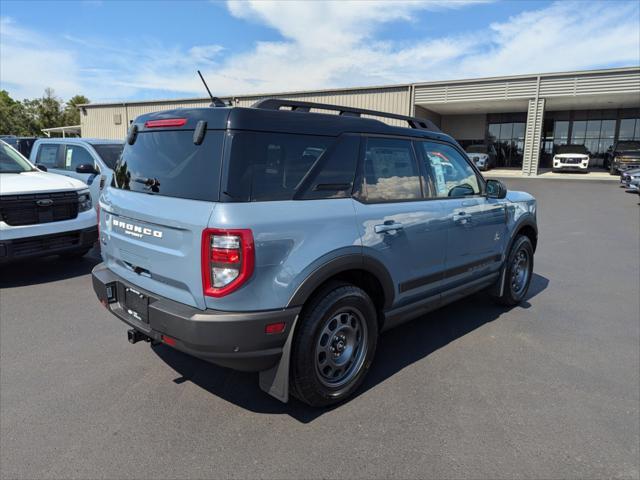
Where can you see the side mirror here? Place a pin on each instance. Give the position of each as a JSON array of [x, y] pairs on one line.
[[461, 190], [86, 168], [42, 168], [496, 189]]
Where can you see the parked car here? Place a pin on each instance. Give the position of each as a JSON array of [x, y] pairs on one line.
[[634, 184], [483, 156], [90, 160], [21, 144], [628, 175], [42, 213], [625, 156], [571, 158], [280, 240]]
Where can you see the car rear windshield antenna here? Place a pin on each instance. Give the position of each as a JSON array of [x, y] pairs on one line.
[[215, 101]]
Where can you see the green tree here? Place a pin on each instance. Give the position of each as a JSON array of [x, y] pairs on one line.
[[14, 119], [71, 114], [49, 110], [29, 117]]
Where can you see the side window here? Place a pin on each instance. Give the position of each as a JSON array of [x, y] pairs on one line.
[[48, 155], [390, 171], [268, 166], [76, 155], [335, 173], [450, 173]]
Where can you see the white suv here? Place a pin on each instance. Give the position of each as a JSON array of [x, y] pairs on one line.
[[42, 213], [571, 157]]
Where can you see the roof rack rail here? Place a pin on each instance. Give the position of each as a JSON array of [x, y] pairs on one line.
[[300, 106]]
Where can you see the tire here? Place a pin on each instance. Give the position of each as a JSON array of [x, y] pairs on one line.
[[518, 274], [341, 317], [75, 253]]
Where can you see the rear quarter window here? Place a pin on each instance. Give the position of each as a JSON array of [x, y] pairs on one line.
[[271, 166]]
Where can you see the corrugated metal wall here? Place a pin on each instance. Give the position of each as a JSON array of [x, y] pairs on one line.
[[591, 84], [550, 86], [99, 121], [493, 90]]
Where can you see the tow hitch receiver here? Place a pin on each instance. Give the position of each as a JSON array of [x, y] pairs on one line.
[[134, 336]]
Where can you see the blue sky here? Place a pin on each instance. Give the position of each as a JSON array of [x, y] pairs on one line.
[[117, 50]]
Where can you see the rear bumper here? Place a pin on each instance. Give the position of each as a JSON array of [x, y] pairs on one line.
[[231, 339], [43, 245]]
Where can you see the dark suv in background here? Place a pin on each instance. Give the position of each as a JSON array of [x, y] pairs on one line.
[[624, 156]]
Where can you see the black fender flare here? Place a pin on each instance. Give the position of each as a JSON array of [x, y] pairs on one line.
[[343, 263], [527, 220]]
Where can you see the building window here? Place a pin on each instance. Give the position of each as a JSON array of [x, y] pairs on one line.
[[629, 129], [508, 140]]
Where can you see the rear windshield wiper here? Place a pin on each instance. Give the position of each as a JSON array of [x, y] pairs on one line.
[[151, 183]]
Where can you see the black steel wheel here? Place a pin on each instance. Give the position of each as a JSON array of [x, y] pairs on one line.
[[518, 273], [334, 345]]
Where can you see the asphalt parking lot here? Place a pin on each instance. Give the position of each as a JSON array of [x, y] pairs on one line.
[[550, 389]]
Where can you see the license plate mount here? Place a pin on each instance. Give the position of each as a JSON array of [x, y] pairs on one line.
[[136, 304]]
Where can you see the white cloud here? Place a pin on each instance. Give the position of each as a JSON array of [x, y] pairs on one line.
[[325, 45], [26, 59]]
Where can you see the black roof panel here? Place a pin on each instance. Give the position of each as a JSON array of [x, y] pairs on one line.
[[284, 121]]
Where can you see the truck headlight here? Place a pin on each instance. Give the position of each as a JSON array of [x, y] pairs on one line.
[[84, 201]]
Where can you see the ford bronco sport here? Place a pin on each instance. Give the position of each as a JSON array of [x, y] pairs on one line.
[[283, 240]]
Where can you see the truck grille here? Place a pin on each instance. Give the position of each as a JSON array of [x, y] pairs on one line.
[[30, 209], [572, 160]]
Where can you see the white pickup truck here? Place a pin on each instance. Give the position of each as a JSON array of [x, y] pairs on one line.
[[42, 213]]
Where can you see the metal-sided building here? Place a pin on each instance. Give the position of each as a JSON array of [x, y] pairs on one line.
[[524, 116]]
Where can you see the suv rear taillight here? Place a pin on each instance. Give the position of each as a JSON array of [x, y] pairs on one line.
[[227, 260]]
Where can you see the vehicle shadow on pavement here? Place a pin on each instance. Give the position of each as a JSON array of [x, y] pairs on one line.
[[48, 269], [397, 349]]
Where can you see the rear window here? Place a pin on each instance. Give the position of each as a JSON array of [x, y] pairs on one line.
[[168, 163], [109, 153], [271, 166]]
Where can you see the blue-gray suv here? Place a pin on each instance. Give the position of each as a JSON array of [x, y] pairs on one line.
[[284, 238]]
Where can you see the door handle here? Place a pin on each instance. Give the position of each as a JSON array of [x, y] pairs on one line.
[[461, 217], [388, 226]]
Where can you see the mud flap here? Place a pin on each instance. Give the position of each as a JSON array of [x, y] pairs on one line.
[[275, 381], [498, 288]]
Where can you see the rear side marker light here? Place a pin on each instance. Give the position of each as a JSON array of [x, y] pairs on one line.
[[168, 340], [228, 259], [166, 122], [275, 328]]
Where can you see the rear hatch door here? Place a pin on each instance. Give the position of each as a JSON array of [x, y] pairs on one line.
[[164, 191]]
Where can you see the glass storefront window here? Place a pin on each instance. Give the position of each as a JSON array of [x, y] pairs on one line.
[[494, 132], [629, 129], [561, 133], [592, 145], [508, 140], [578, 132], [607, 135], [593, 128]]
